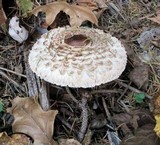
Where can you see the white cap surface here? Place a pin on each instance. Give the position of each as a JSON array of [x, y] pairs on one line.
[[77, 57]]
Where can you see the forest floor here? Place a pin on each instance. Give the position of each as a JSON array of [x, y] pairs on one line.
[[120, 112]]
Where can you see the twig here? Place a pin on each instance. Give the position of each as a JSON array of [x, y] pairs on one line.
[[71, 96], [105, 91], [126, 89], [147, 8], [133, 89], [66, 123], [113, 6], [84, 115], [112, 135], [13, 72], [106, 109], [12, 81], [125, 106]]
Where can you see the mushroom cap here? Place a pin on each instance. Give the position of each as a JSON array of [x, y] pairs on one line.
[[77, 57]]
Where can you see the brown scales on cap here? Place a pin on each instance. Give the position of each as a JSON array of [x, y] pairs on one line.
[[78, 57]]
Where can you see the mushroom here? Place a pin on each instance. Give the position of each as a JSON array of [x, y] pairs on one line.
[[77, 57]]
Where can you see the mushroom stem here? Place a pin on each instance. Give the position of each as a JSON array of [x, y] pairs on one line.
[[84, 115], [84, 107]]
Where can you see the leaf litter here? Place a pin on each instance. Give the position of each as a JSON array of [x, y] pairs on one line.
[[124, 107], [30, 119]]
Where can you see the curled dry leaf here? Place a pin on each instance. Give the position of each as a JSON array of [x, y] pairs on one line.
[[16, 139], [147, 40], [78, 14], [157, 127], [30, 119], [140, 76], [4, 138]]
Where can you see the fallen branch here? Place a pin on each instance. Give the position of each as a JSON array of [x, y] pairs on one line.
[[84, 115], [66, 123], [13, 72], [105, 91], [12, 81], [133, 89]]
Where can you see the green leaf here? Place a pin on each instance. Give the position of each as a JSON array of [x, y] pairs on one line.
[[25, 6], [139, 97], [1, 106]]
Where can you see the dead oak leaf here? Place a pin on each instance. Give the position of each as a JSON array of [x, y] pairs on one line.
[[143, 136], [77, 14], [93, 4], [30, 119], [140, 76]]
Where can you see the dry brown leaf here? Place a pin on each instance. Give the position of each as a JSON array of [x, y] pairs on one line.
[[78, 14], [157, 127], [135, 118], [93, 4], [68, 142], [88, 3], [156, 19], [30, 119], [88, 137], [157, 103], [98, 122], [140, 76], [101, 3], [16, 139], [3, 17], [4, 138], [157, 113], [143, 136]]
